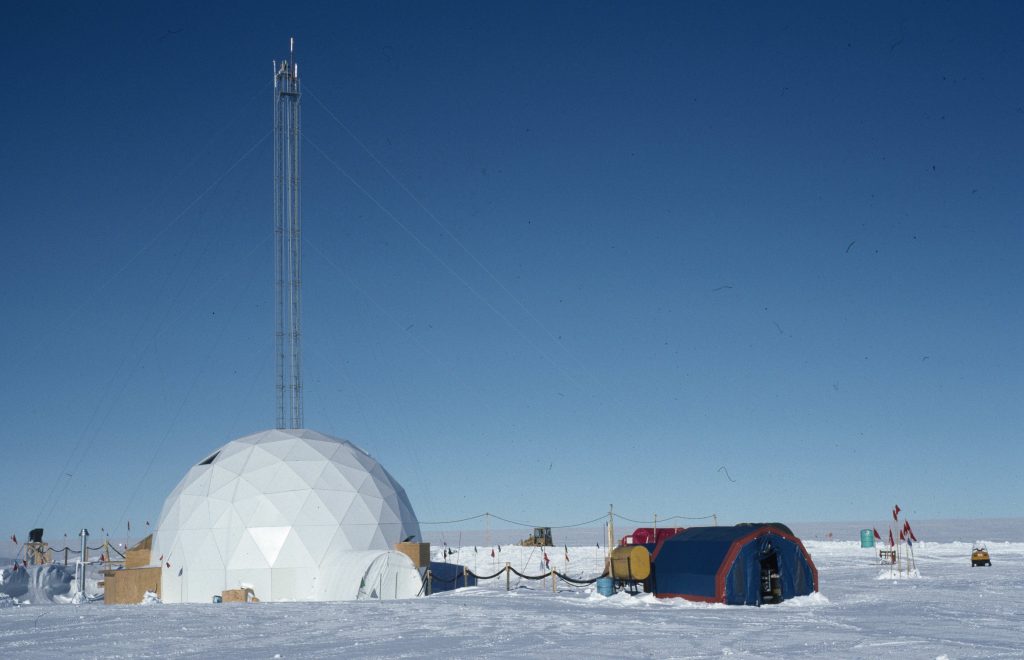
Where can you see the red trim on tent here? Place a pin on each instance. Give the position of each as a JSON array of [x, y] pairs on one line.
[[730, 557]]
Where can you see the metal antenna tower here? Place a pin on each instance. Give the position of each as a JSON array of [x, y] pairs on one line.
[[287, 242]]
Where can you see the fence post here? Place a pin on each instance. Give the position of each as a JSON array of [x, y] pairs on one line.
[[430, 585], [465, 576], [508, 567], [65, 555], [554, 582]]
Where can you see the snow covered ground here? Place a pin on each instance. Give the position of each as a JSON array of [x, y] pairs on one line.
[[952, 610]]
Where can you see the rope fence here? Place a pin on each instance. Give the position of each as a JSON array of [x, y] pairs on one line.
[[37, 553], [429, 578]]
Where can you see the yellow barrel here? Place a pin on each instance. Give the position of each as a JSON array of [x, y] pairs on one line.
[[631, 562]]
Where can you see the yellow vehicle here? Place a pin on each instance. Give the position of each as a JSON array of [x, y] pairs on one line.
[[541, 536], [979, 556]]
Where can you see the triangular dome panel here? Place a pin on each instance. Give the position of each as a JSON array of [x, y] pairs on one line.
[[308, 471], [270, 540], [247, 553], [316, 538], [280, 447], [315, 512], [266, 515], [233, 458], [260, 458], [262, 478], [294, 553]]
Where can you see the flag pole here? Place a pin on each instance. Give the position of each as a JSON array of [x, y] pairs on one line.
[[899, 552]]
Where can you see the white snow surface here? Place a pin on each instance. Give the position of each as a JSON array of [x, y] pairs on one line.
[[950, 609]]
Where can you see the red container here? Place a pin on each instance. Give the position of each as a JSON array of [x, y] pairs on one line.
[[643, 535]]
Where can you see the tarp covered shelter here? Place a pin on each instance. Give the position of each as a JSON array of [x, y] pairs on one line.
[[742, 565], [449, 577], [372, 574]]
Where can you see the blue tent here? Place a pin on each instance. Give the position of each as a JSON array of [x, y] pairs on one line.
[[448, 577], [742, 565]]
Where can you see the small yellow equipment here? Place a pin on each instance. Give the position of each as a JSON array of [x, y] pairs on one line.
[[979, 556]]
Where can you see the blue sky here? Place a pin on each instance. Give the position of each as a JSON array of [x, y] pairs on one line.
[[556, 255]]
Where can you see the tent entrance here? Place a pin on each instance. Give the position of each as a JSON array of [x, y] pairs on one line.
[[771, 585]]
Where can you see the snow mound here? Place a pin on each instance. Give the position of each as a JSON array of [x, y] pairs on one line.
[[150, 598], [623, 599], [48, 582], [893, 574], [620, 599], [7, 601], [815, 599]]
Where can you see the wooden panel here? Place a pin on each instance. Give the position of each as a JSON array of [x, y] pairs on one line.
[[139, 554], [128, 586], [419, 553]]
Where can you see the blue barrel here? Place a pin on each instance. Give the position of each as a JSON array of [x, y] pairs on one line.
[[606, 586], [867, 538]]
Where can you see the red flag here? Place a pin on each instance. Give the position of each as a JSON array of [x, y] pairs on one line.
[[911, 533], [102, 557], [547, 562], [168, 564], [877, 535], [24, 562], [896, 512], [891, 542], [492, 553], [14, 539], [901, 536], [161, 557], [906, 525]]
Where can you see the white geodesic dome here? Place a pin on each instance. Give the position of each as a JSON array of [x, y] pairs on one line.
[[293, 514]]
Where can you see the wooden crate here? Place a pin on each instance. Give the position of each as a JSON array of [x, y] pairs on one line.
[[245, 595]]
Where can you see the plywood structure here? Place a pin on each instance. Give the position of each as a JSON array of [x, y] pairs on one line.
[[129, 585], [138, 555], [419, 553]]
